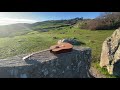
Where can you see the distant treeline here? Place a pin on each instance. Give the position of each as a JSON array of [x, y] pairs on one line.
[[106, 21], [54, 22]]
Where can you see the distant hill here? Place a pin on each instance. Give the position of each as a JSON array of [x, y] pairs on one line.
[[23, 28], [105, 22], [53, 24], [14, 29]]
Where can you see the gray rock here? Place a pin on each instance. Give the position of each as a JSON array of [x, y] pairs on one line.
[[72, 41], [110, 55], [44, 64]]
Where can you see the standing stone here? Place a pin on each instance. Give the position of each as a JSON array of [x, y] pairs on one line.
[[110, 55]]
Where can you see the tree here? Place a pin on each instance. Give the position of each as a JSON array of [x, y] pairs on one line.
[[106, 20]]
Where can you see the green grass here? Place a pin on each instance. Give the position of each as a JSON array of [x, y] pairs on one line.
[[102, 70], [93, 39], [36, 41], [28, 43]]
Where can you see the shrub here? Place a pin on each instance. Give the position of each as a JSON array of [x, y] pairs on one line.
[[105, 21]]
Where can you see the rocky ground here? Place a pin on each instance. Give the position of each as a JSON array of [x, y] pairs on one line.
[[95, 73]]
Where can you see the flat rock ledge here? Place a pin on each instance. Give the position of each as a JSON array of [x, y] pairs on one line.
[[43, 64]]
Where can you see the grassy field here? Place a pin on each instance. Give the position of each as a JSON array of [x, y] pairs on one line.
[[36, 41]]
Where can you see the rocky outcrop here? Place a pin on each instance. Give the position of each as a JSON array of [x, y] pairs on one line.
[[72, 41], [110, 55], [74, 64]]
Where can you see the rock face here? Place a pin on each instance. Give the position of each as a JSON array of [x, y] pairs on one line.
[[110, 56], [74, 64], [72, 41]]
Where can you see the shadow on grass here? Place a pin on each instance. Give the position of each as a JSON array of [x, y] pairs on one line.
[[79, 43]]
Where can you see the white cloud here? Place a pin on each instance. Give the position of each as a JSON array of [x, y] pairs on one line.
[[7, 21]]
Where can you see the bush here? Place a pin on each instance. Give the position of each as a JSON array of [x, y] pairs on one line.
[[105, 21]]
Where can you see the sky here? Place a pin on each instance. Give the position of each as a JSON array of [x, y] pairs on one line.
[[32, 17]]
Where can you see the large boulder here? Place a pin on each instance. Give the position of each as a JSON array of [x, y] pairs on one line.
[[43, 64], [110, 55]]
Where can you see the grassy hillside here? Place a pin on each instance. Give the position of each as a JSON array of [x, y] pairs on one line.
[[54, 24], [35, 41], [24, 28], [26, 38], [14, 30]]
